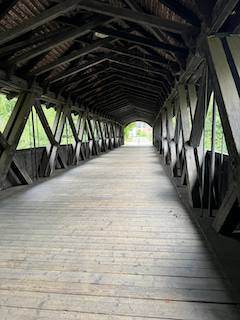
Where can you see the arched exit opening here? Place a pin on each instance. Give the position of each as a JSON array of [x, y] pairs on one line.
[[138, 133]]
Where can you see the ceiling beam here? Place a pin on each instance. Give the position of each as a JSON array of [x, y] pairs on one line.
[[81, 77], [12, 48], [182, 12], [141, 41], [126, 51], [102, 92], [138, 17], [90, 84], [38, 20], [70, 57], [61, 39], [140, 66], [135, 7], [142, 75], [221, 11], [85, 95], [77, 69]]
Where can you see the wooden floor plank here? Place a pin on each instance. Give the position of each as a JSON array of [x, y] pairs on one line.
[[108, 240], [119, 306]]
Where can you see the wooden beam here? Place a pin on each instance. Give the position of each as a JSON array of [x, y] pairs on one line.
[[135, 7], [82, 78], [163, 73], [58, 136], [223, 59], [99, 89], [191, 168], [141, 41], [20, 171], [126, 51], [164, 136], [70, 57], [140, 74], [38, 20], [12, 48], [204, 95], [77, 69], [172, 145], [182, 11], [138, 17], [81, 87], [16, 166], [228, 215], [44, 123], [3, 142], [13, 132], [61, 39], [221, 11]]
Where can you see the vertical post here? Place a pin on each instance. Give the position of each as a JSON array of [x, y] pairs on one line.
[[191, 168], [12, 133], [164, 137], [223, 59], [172, 145], [212, 162]]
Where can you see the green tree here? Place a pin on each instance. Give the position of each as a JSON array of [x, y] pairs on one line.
[[219, 130], [129, 128]]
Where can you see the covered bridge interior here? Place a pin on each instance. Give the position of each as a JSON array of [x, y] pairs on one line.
[[102, 64]]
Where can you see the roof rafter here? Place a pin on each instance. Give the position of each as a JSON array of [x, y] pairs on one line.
[[39, 20], [182, 12], [138, 17], [141, 41]]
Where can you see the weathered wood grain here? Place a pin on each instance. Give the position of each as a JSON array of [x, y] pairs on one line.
[[108, 240]]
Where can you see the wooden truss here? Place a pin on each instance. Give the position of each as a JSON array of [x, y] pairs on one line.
[[182, 145], [92, 136]]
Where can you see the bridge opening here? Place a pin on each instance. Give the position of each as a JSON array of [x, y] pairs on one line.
[[138, 133]]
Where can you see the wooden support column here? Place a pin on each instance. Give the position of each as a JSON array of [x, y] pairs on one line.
[[49, 161], [109, 134], [121, 135], [77, 143], [12, 134], [164, 137], [172, 145], [115, 135], [195, 107], [191, 168], [102, 134], [224, 63], [178, 138], [94, 145], [100, 141], [198, 121], [16, 166], [156, 134]]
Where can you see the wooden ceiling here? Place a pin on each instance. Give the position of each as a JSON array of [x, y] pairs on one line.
[[118, 59]]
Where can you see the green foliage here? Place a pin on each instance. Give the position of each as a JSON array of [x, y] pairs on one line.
[[219, 130], [6, 108], [41, 140], [129, 128], [140, 132]]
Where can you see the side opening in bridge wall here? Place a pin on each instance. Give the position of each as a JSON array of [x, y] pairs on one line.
[[197, 133], [34, 140]]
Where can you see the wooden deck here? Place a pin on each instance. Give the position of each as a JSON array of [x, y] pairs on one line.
[[108, 240]]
